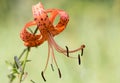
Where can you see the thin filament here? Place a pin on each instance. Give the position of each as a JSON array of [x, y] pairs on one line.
[[53, 56], [42, 73], [55, 62], [61, 50], [47, 58]]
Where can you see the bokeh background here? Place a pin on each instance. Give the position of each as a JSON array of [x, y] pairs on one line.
[[95, 23]]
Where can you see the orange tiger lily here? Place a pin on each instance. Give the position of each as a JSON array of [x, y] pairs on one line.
[[47, 31]]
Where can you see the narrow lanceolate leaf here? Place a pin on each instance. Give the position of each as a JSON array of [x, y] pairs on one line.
[[17, 63]]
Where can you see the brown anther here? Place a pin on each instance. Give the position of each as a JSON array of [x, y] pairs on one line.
[[42, 74], [52, 67], [82, 52], [82, 46], [79, 60], [67, 50], [59, 72]]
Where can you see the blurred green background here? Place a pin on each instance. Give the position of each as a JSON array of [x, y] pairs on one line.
[[95, 23]]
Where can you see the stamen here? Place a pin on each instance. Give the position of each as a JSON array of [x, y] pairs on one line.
[[67, 50], [50, 43], [59, 72], [82, 52], [46, 62], [83, 46], [42, 74], [52, 67], [61, 50], [79, 60]]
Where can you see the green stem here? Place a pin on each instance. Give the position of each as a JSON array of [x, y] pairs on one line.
[[24, 64], [22, 53], [25, 60]]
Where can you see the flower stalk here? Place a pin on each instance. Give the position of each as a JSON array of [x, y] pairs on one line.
[[24, 64]]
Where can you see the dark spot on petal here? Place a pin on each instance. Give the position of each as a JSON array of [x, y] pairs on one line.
[[35, 19], [44, 24], [41, 19]]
